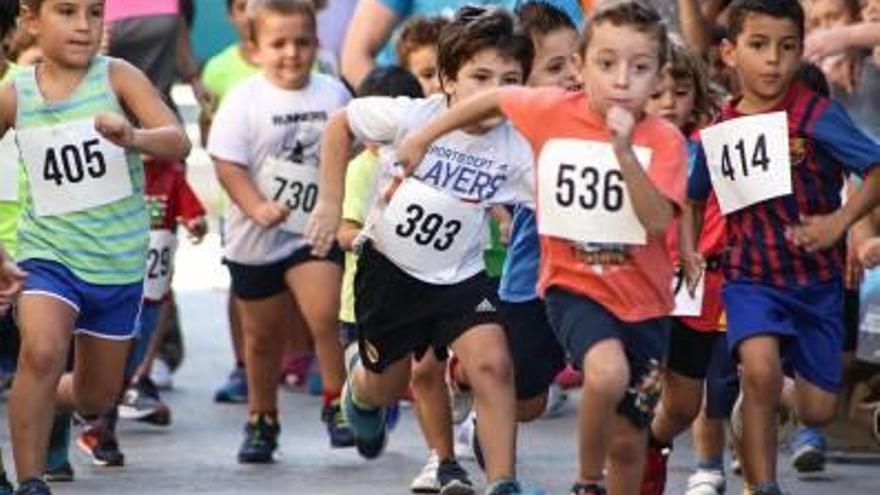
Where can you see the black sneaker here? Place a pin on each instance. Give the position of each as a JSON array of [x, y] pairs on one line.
[[340, 434], [453, 479], [98, 441], [584, 489], [142, 402], [58, 474], [33, 487], [260, 440]]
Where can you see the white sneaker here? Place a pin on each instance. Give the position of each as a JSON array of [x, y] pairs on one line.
[[557, 398], [464, 437], [426, 481], [706, 482], [462, 400], [161, 375]]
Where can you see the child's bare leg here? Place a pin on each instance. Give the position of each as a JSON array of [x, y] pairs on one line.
[[762, 384]]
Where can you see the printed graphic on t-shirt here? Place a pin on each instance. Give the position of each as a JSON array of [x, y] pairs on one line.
[[302, 137], [474, 174]]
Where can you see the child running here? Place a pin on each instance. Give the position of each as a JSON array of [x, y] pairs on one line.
[[84, 228], [609, 182], [421, 284], [777, 169], [265, 141]]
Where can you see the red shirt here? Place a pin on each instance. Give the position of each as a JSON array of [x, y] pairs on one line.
[[169, 196]]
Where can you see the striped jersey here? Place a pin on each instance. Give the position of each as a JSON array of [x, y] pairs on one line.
[[106, 244], [824, 145]]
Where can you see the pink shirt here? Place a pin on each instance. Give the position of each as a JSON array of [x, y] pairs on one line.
[[115, 10]]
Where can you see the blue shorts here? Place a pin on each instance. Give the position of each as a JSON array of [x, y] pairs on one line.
[[808, 321], [580, 323], [104, 311], [147, 326]]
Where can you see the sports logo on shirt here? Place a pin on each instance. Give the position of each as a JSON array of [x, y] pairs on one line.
[[798, 149]]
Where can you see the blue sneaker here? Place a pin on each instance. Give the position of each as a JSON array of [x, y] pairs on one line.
[[260, 440], [33, 487], [337, 428], [235, 390], [809, 450], [504, 487], [368, 426], [392, 416]]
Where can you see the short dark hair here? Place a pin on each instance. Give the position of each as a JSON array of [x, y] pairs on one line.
[[8, 16], [813, 78], [640, 15], [474, 29], [256, 8], [390, 80], [418, 32], [539, 18], [778, 9]]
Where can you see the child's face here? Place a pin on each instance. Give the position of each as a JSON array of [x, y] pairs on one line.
[[766, 56], [870, 10], [486, 70], [554, 60], [68, 31], [422, 62], [286, 47], [238, 18], [673, 100], [827, 14], [620, 74]]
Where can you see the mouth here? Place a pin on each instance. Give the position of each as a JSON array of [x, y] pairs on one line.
[[770, 78]]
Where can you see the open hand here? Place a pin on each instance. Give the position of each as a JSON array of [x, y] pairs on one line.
[[11, 281]]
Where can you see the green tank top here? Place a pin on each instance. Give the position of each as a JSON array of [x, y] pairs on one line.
[[10, 211], [104, 244]]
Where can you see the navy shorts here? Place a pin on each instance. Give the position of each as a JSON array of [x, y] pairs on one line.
[[255, 282], [104, 311], [580, 323], [722, 381], [808, 321], [537, 355]]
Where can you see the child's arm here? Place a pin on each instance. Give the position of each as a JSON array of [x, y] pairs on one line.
[[832, 41], [335, 150], [654, 210], [237, 182], [190, 210], [8, 109], [11, 280], [691, 227], [348, 232], [864, 239], [160, 134]]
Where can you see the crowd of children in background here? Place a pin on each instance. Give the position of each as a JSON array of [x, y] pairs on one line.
[[674, 222]]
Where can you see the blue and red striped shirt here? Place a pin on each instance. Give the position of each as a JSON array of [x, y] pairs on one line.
[[824, 145]]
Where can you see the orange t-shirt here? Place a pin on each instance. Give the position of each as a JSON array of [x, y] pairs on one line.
[[632, 282]]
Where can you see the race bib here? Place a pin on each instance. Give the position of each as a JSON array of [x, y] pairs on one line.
[[685, 304], [428, 231], [582, 196], [71, 168], [160, 264], [748, 160], [9, 167], [292, 185]]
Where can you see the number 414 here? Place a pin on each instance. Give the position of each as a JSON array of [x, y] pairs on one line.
[[759, 158]]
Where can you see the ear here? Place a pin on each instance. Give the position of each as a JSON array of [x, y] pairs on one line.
[[447, 85], [727, 50]]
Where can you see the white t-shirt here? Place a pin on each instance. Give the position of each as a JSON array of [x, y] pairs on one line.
[[259, 121], [488, 169]]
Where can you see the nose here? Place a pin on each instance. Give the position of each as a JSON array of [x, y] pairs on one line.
[[667, 100], [774, 54], [621, 77]]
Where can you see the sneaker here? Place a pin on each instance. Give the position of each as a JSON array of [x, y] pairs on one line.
[[58, 474], [58, 468], [654, 478], [235, 390], [295, 370], [504, 487], [338, 430], [367, 426], [871, 401], [392, 416], [569, 378], [141, 402], [5, 486], [809, 451], [584, 489], [453, 479], [98, 442], [464, 438], [33, 487], [260, 440], [477, 448], [769, 489], [162, 375], [706, 482], [557, 398], [462, 400], [426, 481], [876, 424]]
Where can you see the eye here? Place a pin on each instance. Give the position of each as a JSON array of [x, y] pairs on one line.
[[756, 45], [790, 46], [511, 80]]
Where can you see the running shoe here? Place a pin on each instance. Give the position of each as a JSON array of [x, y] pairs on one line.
[[587, 489], [557, 398], [33, 487], [62, 473], [58, 467], [98, 441], [477, 447], [706, 482], [504, 487], [462, 399], [453, 479], [235, 390], [141, 402], [654, 478], [809, 451], [5, 486], [295, 370], [162, 375], [367, 425], [426, 481], [260, 440], [464, 438], [340, 434]]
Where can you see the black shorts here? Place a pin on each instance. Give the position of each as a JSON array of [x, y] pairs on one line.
[[537, 355], [690, 351], [255, 282], [580, 323], [399, 315], [850, 319]]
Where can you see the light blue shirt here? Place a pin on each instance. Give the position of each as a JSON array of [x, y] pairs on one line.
[[519, 280]]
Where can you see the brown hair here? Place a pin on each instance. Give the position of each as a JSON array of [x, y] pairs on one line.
[[475, 29], [637, 14], [257, 8], [685, 65], [418, 32]]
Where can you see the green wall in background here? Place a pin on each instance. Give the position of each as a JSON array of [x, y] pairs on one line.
[[212, 31]]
